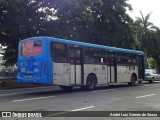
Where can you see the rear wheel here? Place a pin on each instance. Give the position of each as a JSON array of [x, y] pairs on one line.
[[91, 82], [66, 88], [133, 81]]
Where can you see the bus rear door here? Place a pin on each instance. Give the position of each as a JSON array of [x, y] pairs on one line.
[[76, 63]]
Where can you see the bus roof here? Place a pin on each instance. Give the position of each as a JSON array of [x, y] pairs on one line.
[[89, 45]]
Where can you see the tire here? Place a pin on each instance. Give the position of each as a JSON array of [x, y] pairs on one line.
[[133, 81], [66, 88], [151, 81], [91, 82]]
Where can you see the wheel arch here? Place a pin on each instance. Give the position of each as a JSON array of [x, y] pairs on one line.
[[135, 76], [93, 75]]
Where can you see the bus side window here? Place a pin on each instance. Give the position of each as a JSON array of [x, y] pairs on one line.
[[132, 60], [92, 59], [59, 52], [98, 59], [86, 59]]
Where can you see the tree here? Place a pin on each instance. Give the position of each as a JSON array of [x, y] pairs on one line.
[[20, 19], [94, 21], [154, 51], [144, 32]]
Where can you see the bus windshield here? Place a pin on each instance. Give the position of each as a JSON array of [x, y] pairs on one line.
[[31, 47]]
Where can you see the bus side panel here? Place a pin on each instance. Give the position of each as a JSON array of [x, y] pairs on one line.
[[99, 70], [61, 74], [125, 72], [119, 73], [133, 69], [49, 63]]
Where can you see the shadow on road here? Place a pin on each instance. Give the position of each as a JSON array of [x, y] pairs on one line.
[[55, 90], [78, 89]]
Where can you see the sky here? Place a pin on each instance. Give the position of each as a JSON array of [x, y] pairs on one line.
[[146, 6]]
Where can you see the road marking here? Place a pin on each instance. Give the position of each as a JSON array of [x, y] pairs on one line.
[[146, 96], [83, 108], [7, 94], [32, 99], [51, 115], [103, 90]]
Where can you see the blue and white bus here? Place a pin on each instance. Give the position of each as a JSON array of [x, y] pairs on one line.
[[46, 60]]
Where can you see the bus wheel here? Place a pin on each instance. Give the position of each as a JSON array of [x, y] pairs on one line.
[[151, 81], [133, 81], [91, 82], [66, 88]]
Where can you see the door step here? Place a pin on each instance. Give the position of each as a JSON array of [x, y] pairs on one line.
[[112, 83]]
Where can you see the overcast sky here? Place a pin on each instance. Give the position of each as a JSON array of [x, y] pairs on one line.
[[146, 6]]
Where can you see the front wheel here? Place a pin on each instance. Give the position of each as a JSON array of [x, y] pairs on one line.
[[133, 81], [91, 82]]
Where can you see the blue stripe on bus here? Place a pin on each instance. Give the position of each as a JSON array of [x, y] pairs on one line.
[[89, 45]]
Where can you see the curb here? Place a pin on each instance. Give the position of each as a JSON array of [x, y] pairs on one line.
[[12, 84]]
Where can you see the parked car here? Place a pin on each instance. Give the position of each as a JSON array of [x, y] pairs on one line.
[[152, 75]]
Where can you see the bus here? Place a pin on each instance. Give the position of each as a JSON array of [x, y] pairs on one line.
[[67, 63]]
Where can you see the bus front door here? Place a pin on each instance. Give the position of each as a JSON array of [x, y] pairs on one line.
[[76, 63]]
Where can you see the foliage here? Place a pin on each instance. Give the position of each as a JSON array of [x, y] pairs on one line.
[[145, 33], [19, 19], [151, 63], [154, 51], [95, 21], [148, 37]]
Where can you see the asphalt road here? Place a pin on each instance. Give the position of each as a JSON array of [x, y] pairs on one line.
[[142, 97]]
